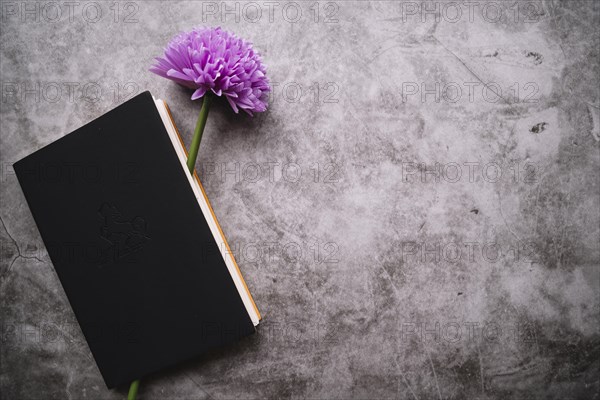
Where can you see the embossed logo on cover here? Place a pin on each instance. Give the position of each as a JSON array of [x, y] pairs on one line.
[[125, 236]]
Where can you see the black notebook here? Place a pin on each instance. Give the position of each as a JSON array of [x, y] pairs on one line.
[[135, 243]]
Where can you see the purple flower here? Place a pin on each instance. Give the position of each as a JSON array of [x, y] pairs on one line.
[[216, 60]]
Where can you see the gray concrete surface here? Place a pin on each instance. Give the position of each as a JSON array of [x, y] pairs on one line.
[[417, 214]]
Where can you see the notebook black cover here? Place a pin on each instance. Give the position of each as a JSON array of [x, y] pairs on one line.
[[130, 244]]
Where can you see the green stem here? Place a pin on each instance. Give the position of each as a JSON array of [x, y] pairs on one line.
[[133, 389], [193, 154]]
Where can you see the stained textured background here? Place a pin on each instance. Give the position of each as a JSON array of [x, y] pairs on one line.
[[400, 243]]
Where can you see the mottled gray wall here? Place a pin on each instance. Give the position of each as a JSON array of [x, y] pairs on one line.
[[425, 223]]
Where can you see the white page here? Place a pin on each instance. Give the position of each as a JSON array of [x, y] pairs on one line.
[[227, 256]]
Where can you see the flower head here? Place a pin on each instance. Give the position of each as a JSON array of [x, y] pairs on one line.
[[211, 59]]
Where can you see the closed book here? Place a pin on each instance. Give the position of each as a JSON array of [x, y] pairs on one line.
[[135, 243]]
